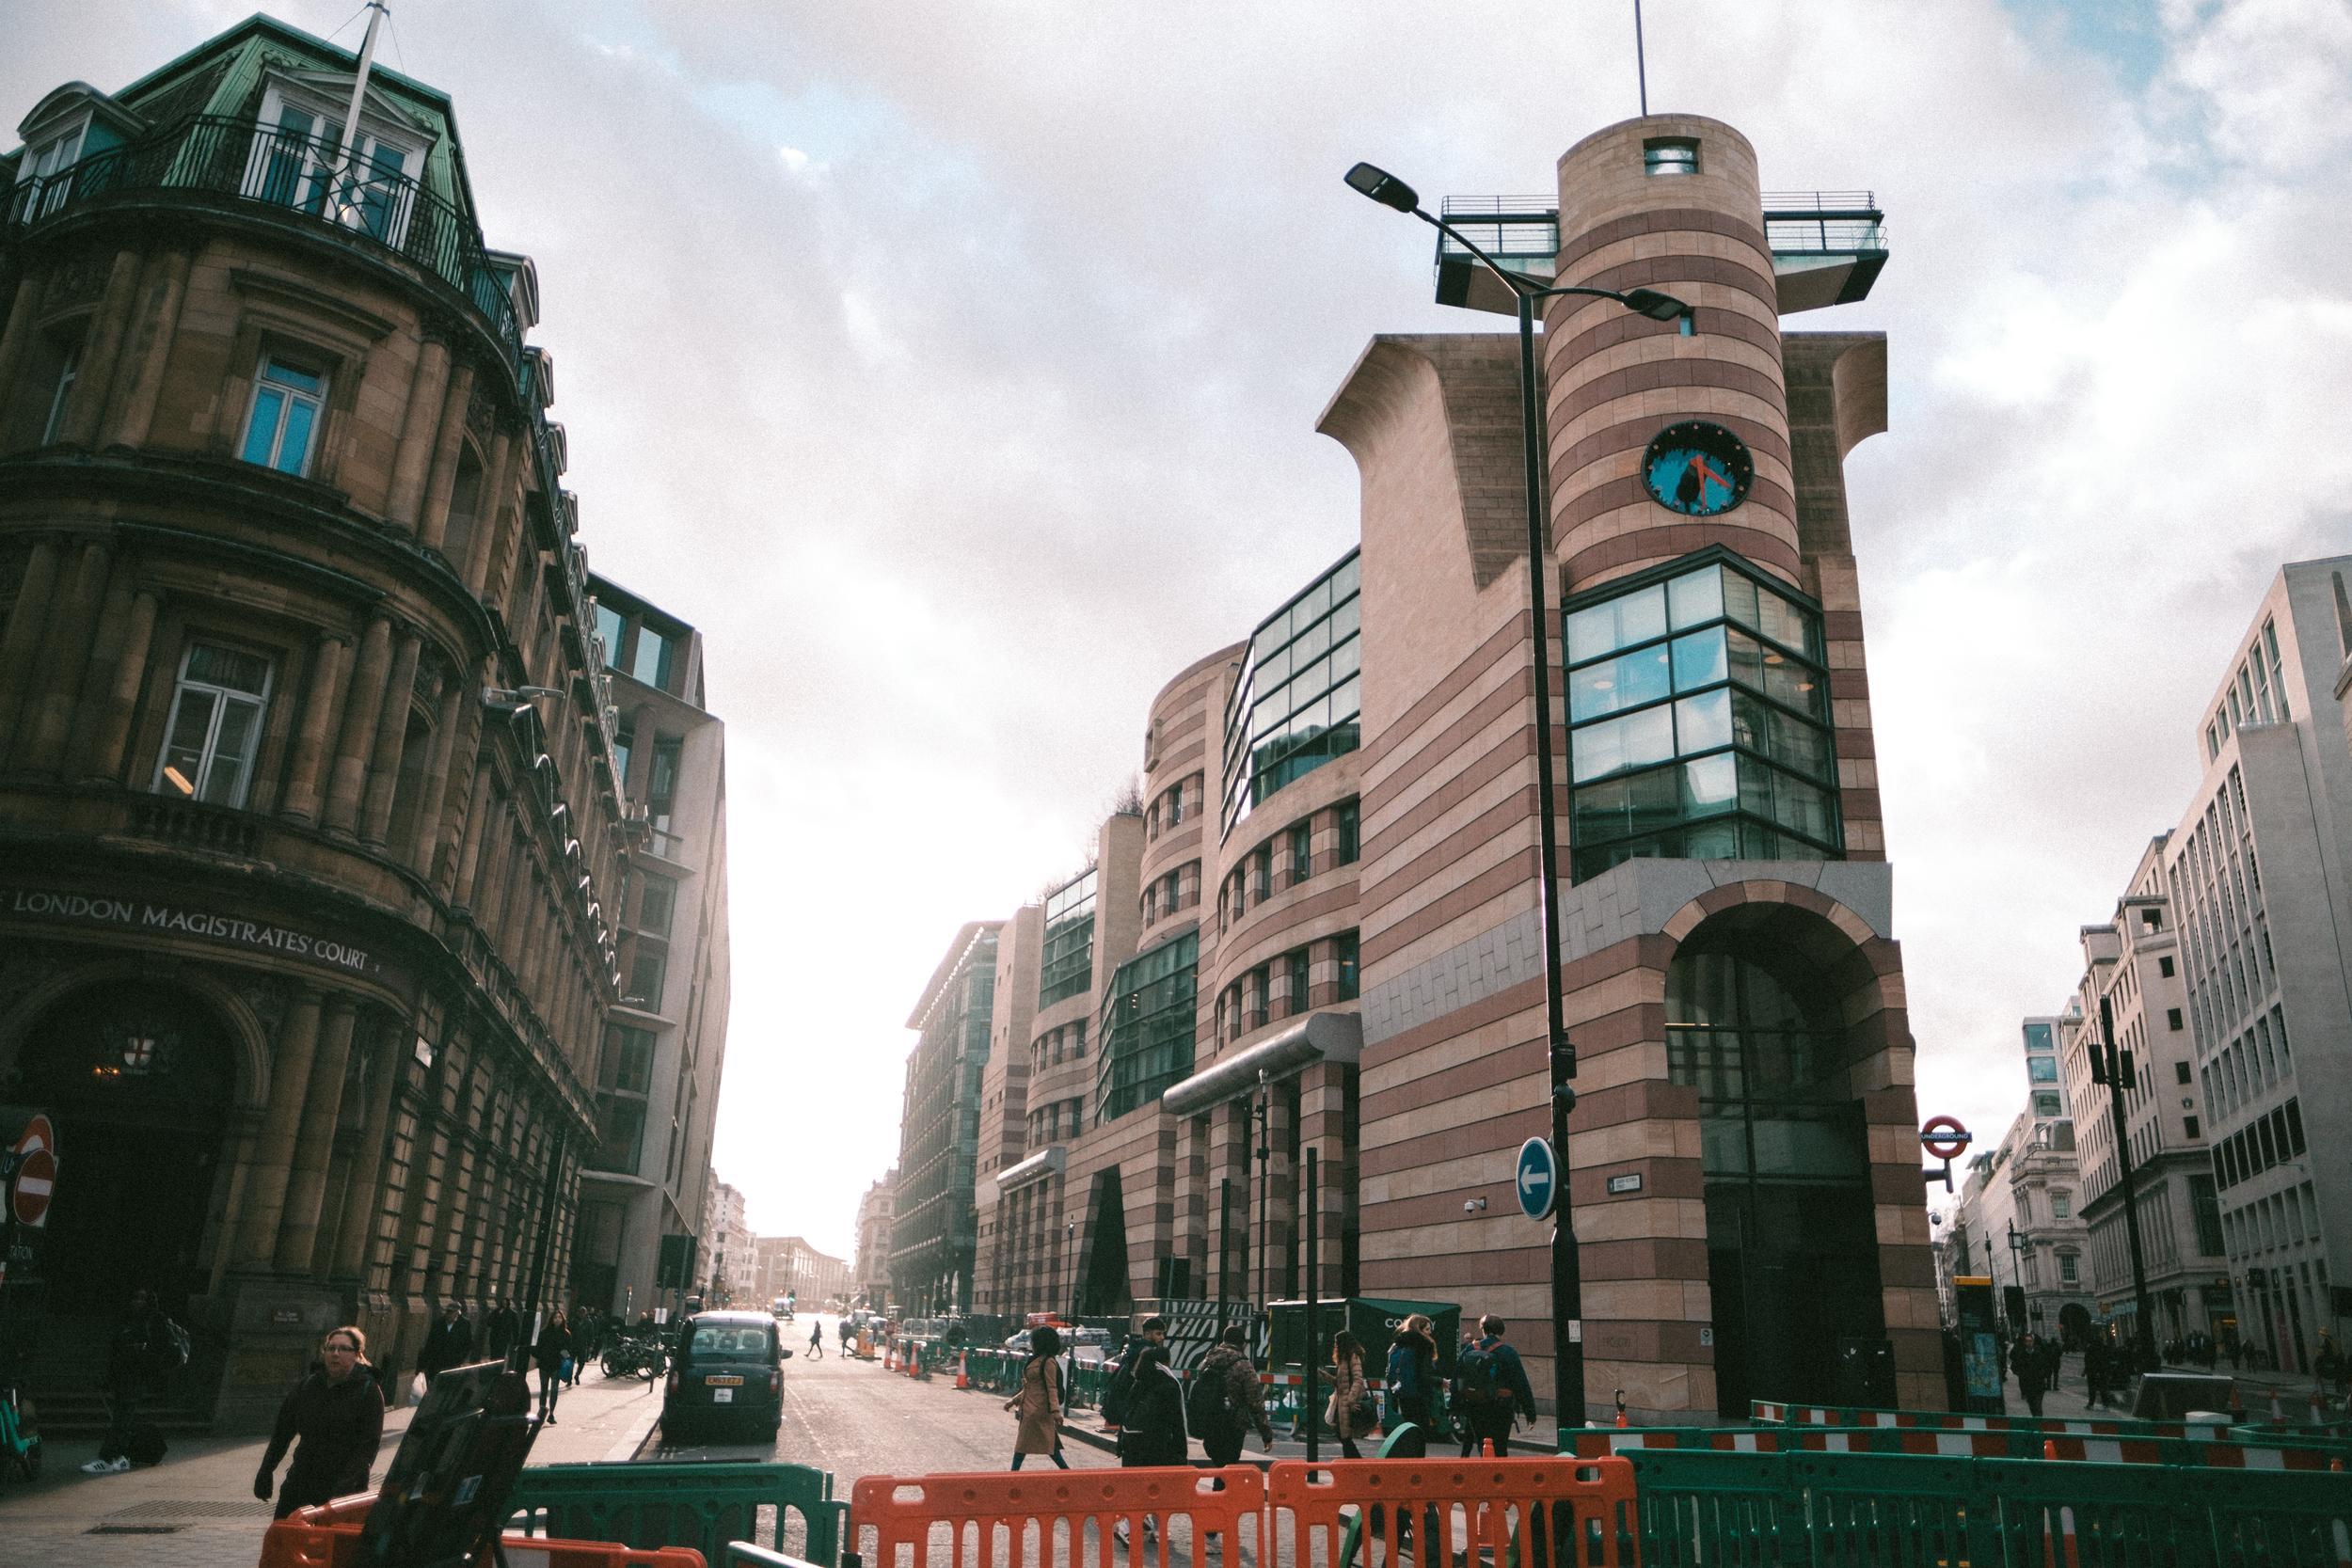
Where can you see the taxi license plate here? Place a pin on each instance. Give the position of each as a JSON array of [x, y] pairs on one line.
[[722, 1381]]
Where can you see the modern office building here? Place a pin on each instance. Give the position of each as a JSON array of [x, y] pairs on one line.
[[2132, 965], [313, 840], [2258, 871], [665, 1043], [934, 1221], [870, 1274], [1337, 949]]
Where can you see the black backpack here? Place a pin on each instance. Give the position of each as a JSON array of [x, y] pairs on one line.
[[1477, 1378], [1121, 1387], [1208, 1407]]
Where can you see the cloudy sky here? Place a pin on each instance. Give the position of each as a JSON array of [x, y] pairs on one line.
[[953, 364]]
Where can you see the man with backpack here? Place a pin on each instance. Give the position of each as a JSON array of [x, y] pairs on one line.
[[1227, 1400], [147, 1348], [1121, 1390], [1489, 1387]]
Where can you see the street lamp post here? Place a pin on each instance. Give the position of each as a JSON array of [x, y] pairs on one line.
[[2017, 1245], [1568, 1285], [2108, 1066]]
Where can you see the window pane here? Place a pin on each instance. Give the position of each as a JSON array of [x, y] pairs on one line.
[[1627, 681], [1781, 621], [261, 437], [293, 451], [1703, 721], [1710, 785], [1739, 599], [286, 375], [1695, 599], [227, 666], [608, 628], [1698, 659], [183, 751], [224, 782], [1617, 624], [653, 656], [1598, 750]]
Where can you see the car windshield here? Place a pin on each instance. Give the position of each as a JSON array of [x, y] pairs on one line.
[[728, 1341]]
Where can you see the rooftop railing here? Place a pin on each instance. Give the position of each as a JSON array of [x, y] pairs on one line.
[[241, 162]]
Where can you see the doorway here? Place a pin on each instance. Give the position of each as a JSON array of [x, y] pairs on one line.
[[1754, 1024], [139, 1079]]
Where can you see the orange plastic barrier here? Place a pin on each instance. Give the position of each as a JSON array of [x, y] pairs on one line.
[[328, 1536], [1552, 1512], [1060, 1518]]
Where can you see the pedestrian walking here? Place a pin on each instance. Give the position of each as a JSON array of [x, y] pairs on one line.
[[1411, 1378], [1153, 1429], [500, 1329], [2032, 1371], [1121, 1386], [335, 1418], [816, 1341], [586, 1328], [552, 1352], [448, 1345], [1352, 1412], [1227, 1400], [846, 1332], [144, 1347], [1039, 1400], [1489, 1387]]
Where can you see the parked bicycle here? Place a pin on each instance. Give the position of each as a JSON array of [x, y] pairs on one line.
[[646, 1357]]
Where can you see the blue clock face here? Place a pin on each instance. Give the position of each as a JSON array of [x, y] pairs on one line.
[[1698, 468]]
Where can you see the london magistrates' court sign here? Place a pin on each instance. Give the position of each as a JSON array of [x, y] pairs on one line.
[[138, 914]]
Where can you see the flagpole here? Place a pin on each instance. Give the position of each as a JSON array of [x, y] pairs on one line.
[[1641, 67], [340, 181]]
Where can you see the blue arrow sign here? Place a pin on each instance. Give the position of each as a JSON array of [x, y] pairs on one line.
[[1538, 1180]]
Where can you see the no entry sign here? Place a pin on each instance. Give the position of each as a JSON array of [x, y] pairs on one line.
[[1945, 1137], [35, 1178]]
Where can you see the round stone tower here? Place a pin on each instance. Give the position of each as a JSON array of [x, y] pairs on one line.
[[1667, 202]]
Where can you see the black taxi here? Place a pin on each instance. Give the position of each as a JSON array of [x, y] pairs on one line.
[[727, 1372]]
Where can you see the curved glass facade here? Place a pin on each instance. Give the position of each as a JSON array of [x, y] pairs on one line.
[[1067, 967], [1145, 1033], [1698, 719], [1298, 703]]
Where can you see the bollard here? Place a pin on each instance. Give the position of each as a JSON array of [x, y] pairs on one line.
[[1621, 1420]]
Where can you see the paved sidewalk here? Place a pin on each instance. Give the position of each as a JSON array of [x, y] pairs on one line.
[[197, 1509]]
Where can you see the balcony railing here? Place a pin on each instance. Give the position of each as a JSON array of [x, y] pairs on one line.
[[218, 158]]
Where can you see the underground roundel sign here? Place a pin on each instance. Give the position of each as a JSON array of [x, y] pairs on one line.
[[1945, 1137]]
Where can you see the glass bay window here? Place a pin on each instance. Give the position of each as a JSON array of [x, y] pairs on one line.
[[1699, 719]]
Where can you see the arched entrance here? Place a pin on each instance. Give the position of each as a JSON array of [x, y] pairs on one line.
[[1755, 1022], [2075, 1324], [140, 1078]]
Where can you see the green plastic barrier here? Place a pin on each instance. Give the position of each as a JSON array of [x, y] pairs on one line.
[[701, 1504], [1698, 1506], [1764, 1413]]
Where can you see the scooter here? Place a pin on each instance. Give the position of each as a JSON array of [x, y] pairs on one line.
[[20, 1433]]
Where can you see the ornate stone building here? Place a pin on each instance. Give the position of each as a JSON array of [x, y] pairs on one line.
[[312, 843]]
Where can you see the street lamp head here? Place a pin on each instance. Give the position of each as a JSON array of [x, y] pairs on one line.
[[1383, 187], [1659, 308]]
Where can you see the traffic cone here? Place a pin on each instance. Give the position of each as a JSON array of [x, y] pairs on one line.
[[964, 1372], [890, 1358], [1621, 1420], [1486, 1447], [2049, 1448]]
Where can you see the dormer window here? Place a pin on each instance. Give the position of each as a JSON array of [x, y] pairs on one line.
[[42, 181], [298, 162]]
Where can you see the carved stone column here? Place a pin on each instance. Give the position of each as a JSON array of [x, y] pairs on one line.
[[414, 454], [348, 777], [306, 1190], [272, 1166], [391, 739]]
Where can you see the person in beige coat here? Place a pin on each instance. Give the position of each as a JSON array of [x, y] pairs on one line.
[[1352, 1412], [1039, 1400]]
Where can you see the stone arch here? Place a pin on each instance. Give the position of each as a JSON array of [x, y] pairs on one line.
[[247, 1037], [1779, 1007]]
